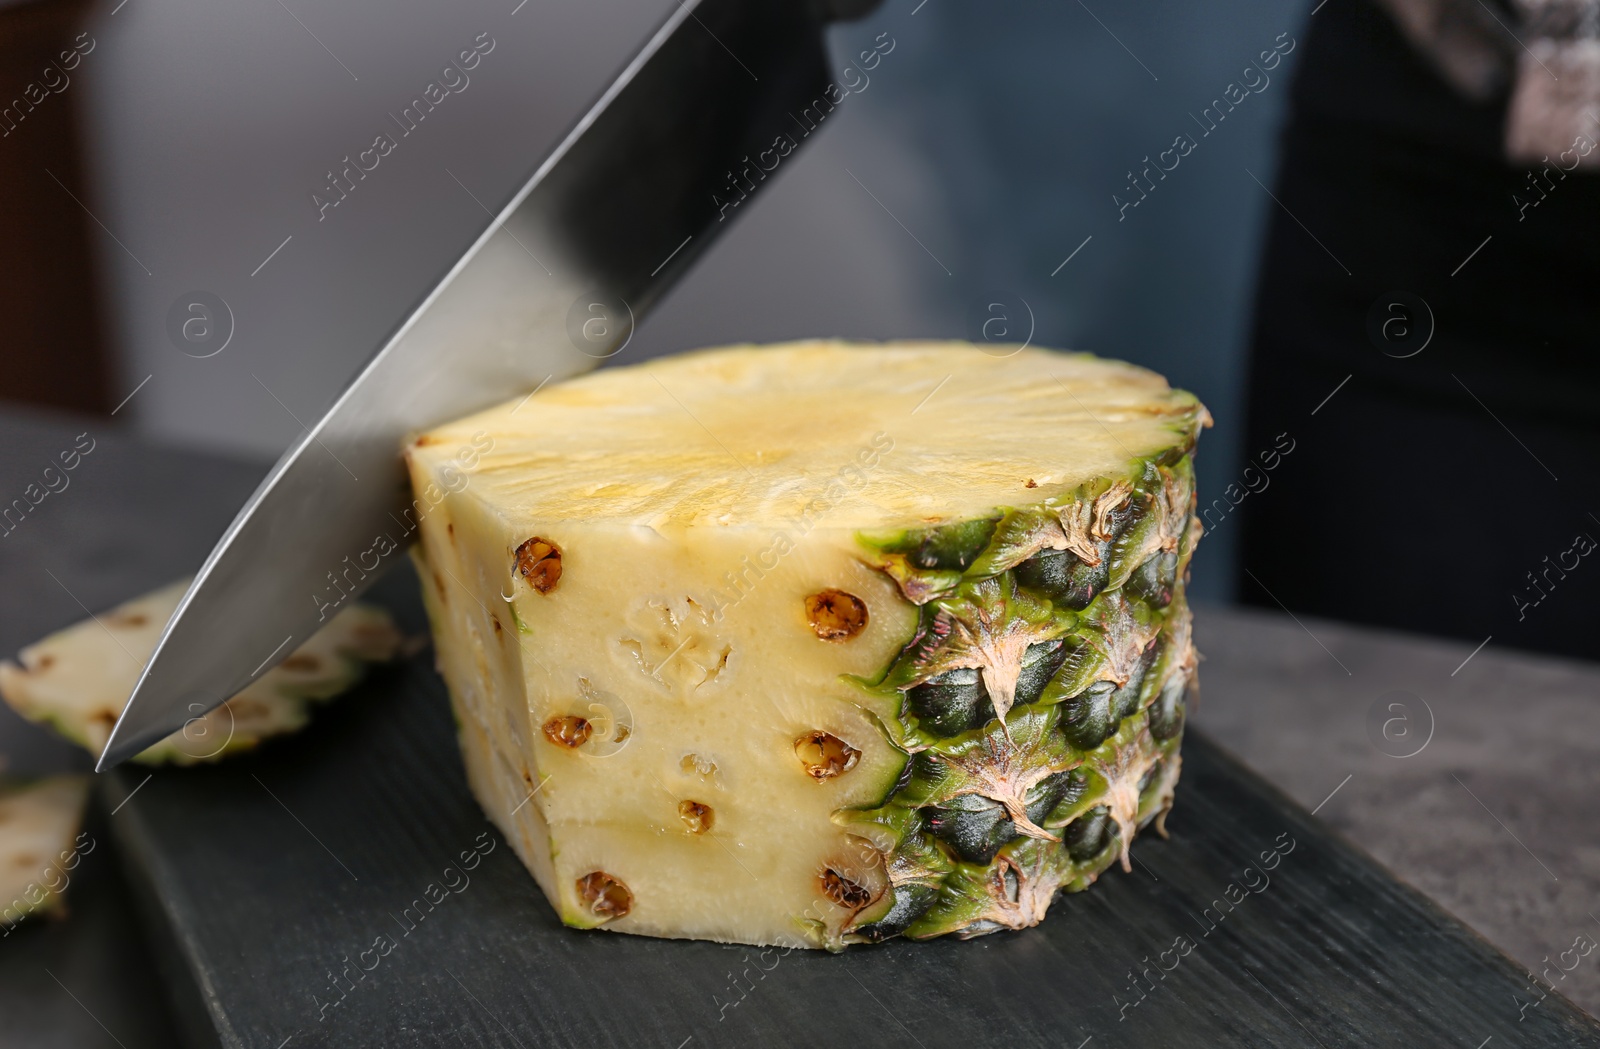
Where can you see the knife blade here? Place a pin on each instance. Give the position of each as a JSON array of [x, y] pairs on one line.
[[555, 284]]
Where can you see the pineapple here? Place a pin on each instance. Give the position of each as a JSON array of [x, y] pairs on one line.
[[39, 845], [819, 643], [78, 679]]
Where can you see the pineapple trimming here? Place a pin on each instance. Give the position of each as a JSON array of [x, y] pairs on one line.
[[40, 845], [818, 643], [78, 680]]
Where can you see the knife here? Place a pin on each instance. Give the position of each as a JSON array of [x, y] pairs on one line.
[[554, 285]]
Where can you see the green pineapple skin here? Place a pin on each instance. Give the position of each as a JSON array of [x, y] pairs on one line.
[[1102, 710]]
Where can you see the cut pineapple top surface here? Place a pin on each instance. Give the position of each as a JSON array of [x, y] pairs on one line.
[[747, 435]]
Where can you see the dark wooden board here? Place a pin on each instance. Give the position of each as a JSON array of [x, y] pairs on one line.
[[272, 874], [130, 519], [69, 982]]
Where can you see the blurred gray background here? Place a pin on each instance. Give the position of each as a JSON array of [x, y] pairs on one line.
[[993, 138]]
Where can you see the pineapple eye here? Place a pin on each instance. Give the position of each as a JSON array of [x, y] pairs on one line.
[[825, 755], [694, 763], [835, 615], [568, 731], [695, 816], [842, 890], [539, 561], [606, 896]]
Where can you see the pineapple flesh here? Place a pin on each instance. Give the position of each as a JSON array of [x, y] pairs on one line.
[[817, 643], [79, 679]]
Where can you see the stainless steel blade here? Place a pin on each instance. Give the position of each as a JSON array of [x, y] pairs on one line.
[[553, 286]]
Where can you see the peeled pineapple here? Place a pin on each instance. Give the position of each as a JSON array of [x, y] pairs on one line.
[[817, 643], [78, 679]]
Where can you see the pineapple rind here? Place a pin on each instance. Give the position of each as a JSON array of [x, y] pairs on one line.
[[39, 822], [78, 679], [1125, 651]]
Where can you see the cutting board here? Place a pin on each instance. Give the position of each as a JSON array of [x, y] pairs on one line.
[[342, 888]]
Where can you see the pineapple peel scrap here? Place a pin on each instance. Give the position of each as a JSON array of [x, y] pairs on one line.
[[78, 680]]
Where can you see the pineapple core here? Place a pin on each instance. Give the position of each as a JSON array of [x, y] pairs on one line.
[[817, 643]]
